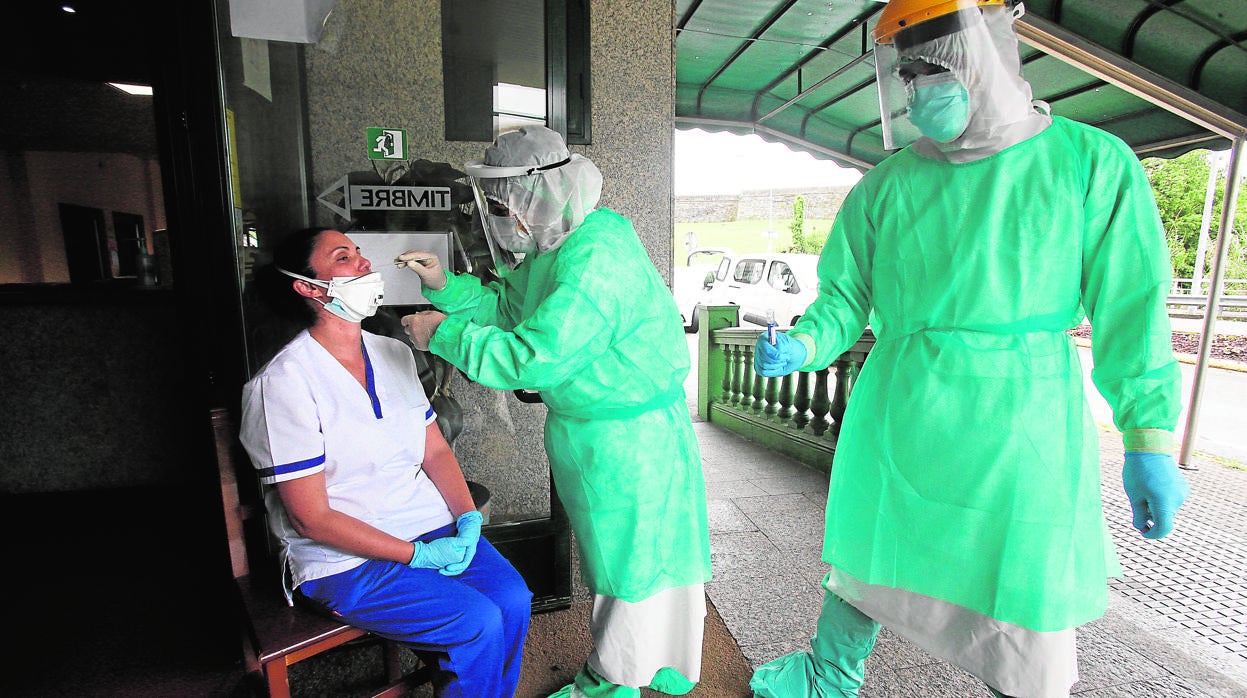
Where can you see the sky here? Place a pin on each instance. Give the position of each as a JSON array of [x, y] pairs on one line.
[[726, 163]]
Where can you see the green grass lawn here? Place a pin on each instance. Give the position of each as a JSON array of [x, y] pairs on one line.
[[743, 236]]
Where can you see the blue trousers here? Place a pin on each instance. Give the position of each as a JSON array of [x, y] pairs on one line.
[[478, 620]]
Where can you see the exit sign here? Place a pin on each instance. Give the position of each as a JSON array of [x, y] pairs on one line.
[[387, 144]]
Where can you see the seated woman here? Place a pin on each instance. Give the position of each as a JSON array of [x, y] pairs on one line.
[[367, 499]]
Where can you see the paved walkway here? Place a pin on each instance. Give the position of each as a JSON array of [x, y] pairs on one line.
[[1176, 624]]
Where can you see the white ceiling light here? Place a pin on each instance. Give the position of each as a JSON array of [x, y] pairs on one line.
[[132, 89]]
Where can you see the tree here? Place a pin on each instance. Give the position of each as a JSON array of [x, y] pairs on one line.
[[1180, 185], [800, 243]]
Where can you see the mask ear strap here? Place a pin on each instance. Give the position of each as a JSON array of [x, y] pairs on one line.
[[300, 277]]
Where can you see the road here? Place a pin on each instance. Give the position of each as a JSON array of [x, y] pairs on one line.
[[1222, 427]]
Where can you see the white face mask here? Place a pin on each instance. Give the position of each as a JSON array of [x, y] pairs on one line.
[[354, 297]]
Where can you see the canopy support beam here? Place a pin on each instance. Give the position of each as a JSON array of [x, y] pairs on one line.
[[1144, 149], [801, 95], [1055, 40], [1228, 206]]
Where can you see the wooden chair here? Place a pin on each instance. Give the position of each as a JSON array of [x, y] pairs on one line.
[[276, 635]]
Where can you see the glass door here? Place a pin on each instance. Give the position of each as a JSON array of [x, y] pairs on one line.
[[340, 124]]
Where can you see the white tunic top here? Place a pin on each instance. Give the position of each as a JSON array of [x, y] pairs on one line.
[[305, 413]]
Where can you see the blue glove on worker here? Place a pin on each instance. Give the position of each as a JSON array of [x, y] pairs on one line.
[[1155, 489], [439, 554], [469, 525], [785, 357]]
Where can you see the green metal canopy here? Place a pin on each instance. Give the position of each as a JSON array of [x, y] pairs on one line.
[[1166, 76]]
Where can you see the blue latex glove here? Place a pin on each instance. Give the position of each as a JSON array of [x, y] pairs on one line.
[[469, 526], [1155, 489], [785, 357], [438, 554]]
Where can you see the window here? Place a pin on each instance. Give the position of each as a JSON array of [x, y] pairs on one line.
[[749, 271], [782, 278], [508, 63]]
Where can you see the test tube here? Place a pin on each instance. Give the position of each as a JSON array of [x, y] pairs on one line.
[[770, 326]]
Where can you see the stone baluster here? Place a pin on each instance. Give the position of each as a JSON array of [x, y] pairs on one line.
[[820, 404], [840, 394], [759, 386], [846, 375], [785, 398], [728, 366], [737, 353], [771, 393], [846, 372], [801, 401]]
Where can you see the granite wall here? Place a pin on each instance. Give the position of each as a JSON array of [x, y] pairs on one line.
[[379, 64], [821, 203]]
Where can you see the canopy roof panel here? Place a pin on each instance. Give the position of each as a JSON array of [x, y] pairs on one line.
[[1166, 76]]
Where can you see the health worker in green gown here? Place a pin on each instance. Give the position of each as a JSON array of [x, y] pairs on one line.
[[964, 510], [586, 320]]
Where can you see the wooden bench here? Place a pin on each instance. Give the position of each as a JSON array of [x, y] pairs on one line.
[[276, 635]]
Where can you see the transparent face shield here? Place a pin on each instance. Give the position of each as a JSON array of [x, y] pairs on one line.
[[898, 130], [505, 201], [918, 95], [503, 258], [919, 98], [504, 225], [540, 199]]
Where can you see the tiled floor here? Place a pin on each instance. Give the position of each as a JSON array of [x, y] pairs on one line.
[[1176, 624]]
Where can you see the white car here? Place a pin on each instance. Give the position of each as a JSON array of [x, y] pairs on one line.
[[766, 284], [691, 284]]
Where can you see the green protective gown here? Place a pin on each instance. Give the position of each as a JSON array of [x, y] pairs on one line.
[[967, 470], [592, 326]]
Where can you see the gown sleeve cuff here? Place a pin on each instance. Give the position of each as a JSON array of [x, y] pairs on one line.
[[1148, 440], [447, 294], [808, 342], [448, 337]]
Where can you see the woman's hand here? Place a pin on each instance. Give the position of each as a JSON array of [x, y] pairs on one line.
[[469, 531], [440, 554]]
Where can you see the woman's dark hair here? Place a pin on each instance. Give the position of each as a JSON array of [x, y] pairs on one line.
[[274, 288], [275, 312]]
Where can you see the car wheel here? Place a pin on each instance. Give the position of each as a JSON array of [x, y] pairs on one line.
[[691, 327]]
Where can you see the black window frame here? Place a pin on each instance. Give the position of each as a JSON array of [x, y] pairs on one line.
[[567, 64]]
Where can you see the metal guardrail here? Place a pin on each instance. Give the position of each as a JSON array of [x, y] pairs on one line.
[[1191, 306], [1231, 287]]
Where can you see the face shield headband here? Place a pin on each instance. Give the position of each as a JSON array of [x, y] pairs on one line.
[[353, 297], [479, 170]]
